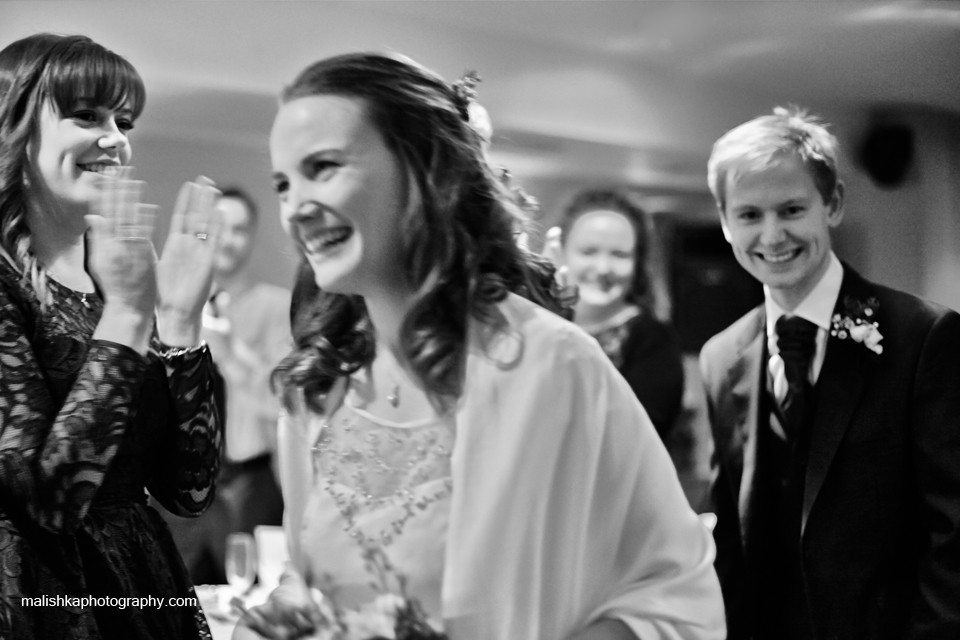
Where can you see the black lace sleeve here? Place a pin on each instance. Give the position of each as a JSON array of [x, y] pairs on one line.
[[54, 458], [185, 483]]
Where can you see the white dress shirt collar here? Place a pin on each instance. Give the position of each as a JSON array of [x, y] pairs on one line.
[[818, 308]]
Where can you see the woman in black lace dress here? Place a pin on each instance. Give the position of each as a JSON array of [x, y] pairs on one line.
[[100, 398]]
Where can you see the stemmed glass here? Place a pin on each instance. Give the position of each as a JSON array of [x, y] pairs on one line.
[[241, 562]]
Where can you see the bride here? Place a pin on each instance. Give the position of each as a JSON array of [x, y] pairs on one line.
[[444, 424]]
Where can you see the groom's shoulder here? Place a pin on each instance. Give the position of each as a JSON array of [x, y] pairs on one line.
[[719, 352], [743, 329], [904, 317], [905, 311]]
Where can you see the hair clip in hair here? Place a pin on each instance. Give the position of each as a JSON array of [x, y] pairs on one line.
[[465, 92], [527, 203]]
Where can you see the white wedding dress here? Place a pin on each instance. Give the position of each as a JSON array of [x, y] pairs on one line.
[[564, 509]]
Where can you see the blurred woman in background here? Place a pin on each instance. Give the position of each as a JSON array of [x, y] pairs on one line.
[[604, 243], [104, 390]]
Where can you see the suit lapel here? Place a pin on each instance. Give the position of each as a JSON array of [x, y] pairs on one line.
[[746, 387], [839, 388]]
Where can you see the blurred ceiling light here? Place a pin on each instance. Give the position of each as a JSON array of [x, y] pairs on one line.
[[636, 45], [524, 166], [740, 51], [667, 169], [926, 13]]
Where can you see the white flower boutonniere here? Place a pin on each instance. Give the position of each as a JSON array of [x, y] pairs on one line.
[[858, 323]]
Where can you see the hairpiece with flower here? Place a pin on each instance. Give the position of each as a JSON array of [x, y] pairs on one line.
[[858, 323], [465, 92], [472, 112], [526, 202], [475, 115], [465, 98]]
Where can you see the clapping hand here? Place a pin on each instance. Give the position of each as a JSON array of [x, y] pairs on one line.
[[123, 261], [553, 251], [122, 257], [185, 270]]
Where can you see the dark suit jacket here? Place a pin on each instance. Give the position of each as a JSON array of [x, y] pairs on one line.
[[880, 521]]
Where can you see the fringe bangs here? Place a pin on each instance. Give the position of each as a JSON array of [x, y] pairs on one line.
[[88, 71]]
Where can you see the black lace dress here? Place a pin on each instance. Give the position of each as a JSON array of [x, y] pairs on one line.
[[85, 427]]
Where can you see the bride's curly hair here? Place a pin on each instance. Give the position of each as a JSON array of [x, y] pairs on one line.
[[38, 71], [459, 242]]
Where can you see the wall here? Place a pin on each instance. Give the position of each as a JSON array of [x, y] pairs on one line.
[[906, 237], [939, 176]]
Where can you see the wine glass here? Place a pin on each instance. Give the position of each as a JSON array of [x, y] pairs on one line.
[[241, 563]]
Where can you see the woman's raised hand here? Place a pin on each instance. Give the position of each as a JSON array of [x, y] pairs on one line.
[[553, 251], [122, 257], [185, 270], [123, 261]]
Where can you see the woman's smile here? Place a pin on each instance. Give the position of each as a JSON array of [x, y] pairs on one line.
[[103, 168], [324, 239]]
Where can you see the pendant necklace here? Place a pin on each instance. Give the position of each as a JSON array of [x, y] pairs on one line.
[[394, 396]]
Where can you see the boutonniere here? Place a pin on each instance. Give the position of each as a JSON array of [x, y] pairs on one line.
[[858, 323]]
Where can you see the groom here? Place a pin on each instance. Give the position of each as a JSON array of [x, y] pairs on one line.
[[835, 410]]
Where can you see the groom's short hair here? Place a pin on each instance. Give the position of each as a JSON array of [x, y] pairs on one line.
[[762, 142]]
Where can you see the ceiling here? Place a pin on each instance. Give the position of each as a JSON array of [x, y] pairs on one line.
[[882, 52], [905, 51], [635, 87]]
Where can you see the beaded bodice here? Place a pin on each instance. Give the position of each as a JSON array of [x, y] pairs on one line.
[[367, 463]]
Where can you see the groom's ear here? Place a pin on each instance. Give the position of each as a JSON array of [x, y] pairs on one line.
[[835, 215], [723, 225]]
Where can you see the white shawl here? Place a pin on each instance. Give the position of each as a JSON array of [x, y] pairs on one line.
[[566, 507]]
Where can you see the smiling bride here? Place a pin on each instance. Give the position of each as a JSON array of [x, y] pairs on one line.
[[441, 414]]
